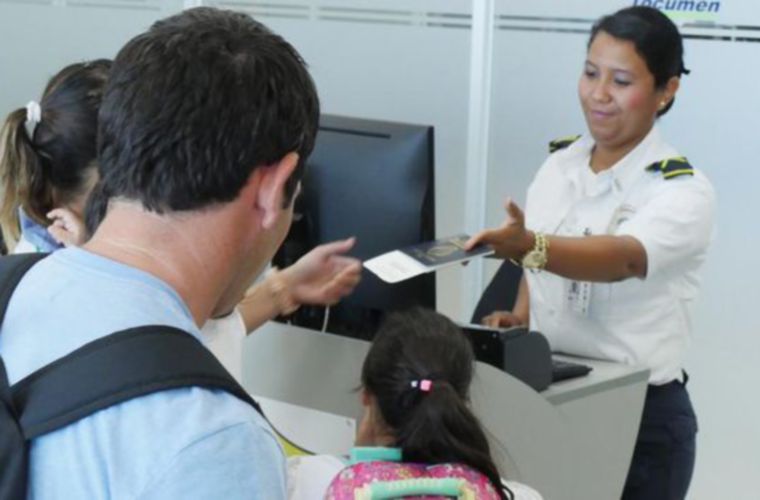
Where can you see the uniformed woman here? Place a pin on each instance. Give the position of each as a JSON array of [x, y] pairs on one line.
[[616, 228]]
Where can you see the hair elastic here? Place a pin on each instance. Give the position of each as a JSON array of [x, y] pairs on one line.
[[33, 118], [424, 385]]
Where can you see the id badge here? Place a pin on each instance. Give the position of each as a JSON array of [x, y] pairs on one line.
[[578, 293], [578, 297]]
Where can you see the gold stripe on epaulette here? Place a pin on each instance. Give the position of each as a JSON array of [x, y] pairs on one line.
[[562, 143], [679, 172], [670, 168]]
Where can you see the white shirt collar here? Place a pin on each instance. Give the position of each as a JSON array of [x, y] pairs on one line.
[[623, 173]]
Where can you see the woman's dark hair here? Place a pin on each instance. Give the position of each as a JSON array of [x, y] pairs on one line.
[[436, 426], [655, 37], [53, 160]]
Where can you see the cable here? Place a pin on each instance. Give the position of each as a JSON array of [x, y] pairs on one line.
[[327, 319]]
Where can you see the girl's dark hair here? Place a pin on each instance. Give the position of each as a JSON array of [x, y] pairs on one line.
[[655, 37], [56, 161], [435, 426]]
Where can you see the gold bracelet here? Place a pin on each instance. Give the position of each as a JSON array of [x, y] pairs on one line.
[[280, 293], [536, 258]]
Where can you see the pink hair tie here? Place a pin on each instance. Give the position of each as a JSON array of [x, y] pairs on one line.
[[424, 385]]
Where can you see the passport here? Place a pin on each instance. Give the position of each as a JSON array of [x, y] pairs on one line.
[[408, 262]]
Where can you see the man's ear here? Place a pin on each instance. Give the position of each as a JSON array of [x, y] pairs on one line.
[[671, 89], [366, 398], [271, 193]]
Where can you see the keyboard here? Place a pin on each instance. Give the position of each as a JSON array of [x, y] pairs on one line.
[[563, 370]]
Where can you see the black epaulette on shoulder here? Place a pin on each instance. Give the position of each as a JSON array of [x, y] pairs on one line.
[[670, 168], [562, 143]]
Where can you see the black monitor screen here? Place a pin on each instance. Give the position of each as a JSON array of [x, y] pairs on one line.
[[373, 180]]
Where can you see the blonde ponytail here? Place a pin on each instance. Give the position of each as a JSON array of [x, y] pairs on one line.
[[21, 178]]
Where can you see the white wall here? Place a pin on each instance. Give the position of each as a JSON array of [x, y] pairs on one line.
[[38, 38], [408, 60], [716, 125]]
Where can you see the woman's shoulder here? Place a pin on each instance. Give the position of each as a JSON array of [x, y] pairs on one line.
[[668, 163], [567, 156], [674, 173], [564, 152], [561, 143]]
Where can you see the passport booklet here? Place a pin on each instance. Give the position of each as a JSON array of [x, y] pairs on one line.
[[411, 261]]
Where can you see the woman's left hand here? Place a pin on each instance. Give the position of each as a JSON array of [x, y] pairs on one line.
[[67, 228], [324, 275]]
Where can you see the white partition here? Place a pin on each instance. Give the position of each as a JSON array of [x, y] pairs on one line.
[[39, 37]]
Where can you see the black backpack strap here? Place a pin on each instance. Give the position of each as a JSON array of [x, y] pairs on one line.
[[12, 269], [13, 454], [116, 368]]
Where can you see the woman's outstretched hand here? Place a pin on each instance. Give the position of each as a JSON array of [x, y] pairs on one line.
[[510, 240]]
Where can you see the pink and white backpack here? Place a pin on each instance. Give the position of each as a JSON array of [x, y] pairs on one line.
[[386, 477]]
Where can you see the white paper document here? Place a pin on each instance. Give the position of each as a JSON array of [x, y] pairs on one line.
[[406, 263]]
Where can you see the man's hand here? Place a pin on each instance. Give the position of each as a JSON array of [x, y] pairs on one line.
[[510, 240], [67, 228], [324, 275]]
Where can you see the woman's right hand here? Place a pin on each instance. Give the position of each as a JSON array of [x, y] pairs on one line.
[[511, 240], [503, 319]]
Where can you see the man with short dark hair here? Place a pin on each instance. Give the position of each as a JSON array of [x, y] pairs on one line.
[[203, 131]]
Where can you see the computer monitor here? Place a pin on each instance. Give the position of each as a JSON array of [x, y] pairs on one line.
[[373, 180]]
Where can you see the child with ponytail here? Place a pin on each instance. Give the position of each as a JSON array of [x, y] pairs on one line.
[[47, 159], [418, 431]]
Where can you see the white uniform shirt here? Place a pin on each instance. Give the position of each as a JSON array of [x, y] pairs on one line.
[[636, 321]]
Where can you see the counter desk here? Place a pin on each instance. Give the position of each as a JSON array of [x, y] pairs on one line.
[[572, 441]]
